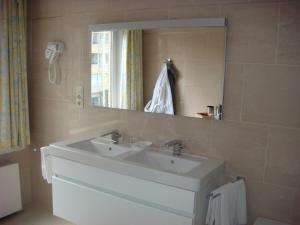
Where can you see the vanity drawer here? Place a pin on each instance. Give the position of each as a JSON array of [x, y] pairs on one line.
[[87, 206], [149, 193]]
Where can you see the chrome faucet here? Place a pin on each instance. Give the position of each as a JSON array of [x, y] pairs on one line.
[[115, 135], [177, 145]]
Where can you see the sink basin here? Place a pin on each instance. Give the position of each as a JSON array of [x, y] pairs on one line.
[[101, 146], [164, 161]]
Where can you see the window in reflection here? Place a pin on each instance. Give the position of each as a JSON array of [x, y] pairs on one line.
[[101, 68], [116, 67]]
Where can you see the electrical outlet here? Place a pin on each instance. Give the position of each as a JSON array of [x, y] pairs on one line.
[[79, 97]]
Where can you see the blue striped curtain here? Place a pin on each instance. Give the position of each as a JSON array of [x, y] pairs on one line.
[[131, 93], [14, 115]]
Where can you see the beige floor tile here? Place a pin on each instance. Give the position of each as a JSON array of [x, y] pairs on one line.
[[33, 214]]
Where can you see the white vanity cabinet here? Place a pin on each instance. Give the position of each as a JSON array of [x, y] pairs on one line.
[[87, 195]]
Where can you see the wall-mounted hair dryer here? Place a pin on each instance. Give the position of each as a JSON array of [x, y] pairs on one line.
[[53, 51]]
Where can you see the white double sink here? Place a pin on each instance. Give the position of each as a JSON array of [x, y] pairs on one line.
[[159, 165]]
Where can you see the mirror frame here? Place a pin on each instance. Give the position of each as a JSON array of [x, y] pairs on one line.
[[183, 23]]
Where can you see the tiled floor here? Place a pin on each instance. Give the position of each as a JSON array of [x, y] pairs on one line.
[[33, 215]]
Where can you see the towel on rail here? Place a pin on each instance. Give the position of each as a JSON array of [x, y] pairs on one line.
[[46, 164], [227, 205]]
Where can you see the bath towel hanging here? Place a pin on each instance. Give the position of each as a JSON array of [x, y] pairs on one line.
[[46, 164], [227, 205]]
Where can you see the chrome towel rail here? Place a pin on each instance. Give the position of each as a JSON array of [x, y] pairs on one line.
[[211, 195]]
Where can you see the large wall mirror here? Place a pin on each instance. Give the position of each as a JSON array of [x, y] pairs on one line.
[[174, 67]]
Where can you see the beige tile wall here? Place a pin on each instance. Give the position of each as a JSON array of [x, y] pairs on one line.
[[259, 137]]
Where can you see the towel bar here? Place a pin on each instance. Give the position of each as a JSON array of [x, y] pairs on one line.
[[211, 195], [239, 178]]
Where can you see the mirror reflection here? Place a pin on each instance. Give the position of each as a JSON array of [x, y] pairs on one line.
[[176, 71]]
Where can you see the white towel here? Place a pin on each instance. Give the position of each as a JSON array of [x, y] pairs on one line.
[[161, 101], [46, 164], [229, 208], [209, 216], [213, 216]]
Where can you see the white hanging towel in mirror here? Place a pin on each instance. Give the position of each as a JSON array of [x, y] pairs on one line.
[[161, 101]]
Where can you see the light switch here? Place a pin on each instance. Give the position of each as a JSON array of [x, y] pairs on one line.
[[79, 97]]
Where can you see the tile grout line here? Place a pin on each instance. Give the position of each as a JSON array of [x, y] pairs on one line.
[[261, 124], [168, 13], [266, 154], [277, 33], [243, 93], [210, 142], [220, 8], [266, 64]]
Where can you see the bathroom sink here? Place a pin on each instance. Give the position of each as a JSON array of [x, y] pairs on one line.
[[139, 160], [101, 146], [164, 161]]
